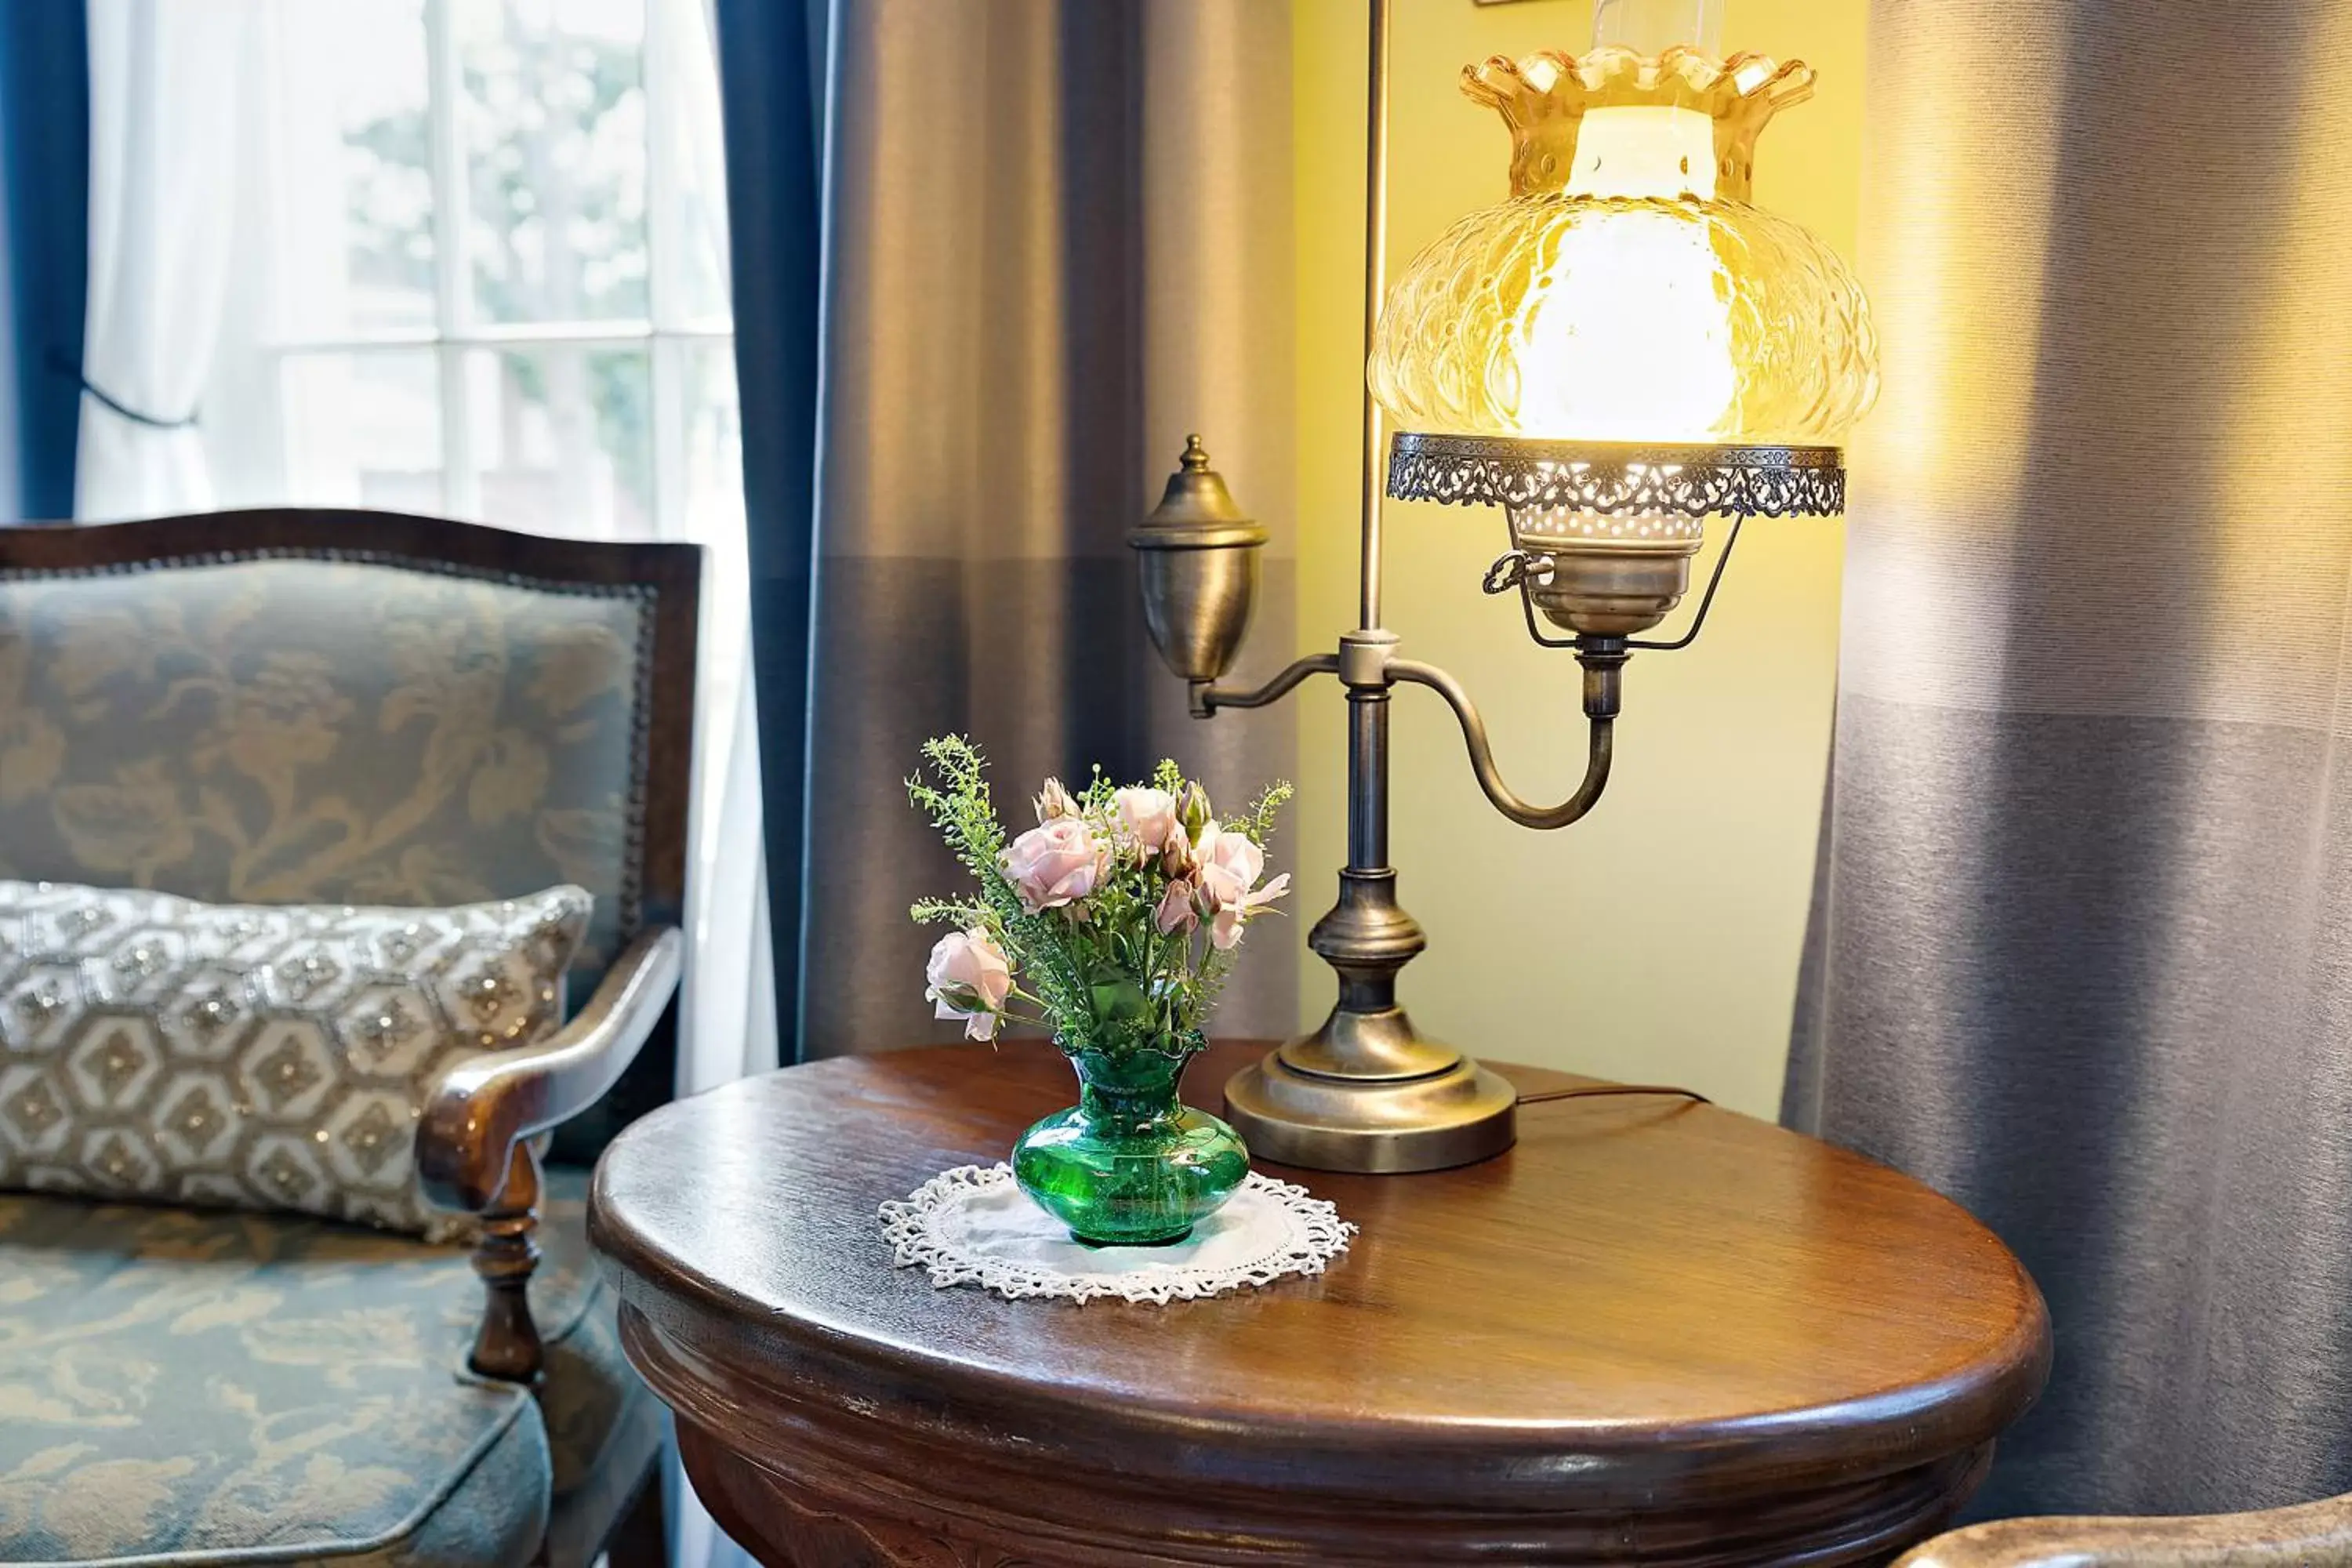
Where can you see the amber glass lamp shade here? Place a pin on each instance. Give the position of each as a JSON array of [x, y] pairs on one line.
[[1628, 289], [1605, 334]]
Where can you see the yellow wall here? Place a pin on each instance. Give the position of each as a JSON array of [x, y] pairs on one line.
[[1658, 939]]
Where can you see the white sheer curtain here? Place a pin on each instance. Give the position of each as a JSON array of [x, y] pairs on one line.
[[728, 1024], [165, 79], [713, 1046]]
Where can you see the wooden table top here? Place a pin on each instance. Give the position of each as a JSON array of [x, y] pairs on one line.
[[1643, 1294]]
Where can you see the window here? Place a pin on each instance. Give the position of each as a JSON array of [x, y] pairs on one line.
[[488, 270]]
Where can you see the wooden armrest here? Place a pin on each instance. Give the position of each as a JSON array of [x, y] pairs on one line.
[[474, 1150], [2312, 1533], [483, 1107]]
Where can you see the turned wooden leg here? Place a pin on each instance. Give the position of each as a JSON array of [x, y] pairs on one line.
[[506, 1347]]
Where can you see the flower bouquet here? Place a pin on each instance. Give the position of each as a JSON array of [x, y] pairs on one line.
[[1113, 923]]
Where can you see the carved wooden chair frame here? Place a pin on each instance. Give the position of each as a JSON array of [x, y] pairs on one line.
[[476, 1145]]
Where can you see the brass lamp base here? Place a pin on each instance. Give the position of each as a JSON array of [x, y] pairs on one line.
[[1366, 1092], [1456, 1116]]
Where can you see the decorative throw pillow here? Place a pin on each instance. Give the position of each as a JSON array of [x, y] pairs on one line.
[[249, 1055]]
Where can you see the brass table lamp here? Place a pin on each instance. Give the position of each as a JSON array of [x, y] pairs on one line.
[[1624, 347]]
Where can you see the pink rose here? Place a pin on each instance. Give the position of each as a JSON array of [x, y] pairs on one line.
[[1175, 913], [1055, 863], [970, 979], [1225, 930], [1178, 860], [1231, 865], [1149, 816], [1054, 801]]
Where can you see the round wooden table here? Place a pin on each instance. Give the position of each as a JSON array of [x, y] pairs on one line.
[[1653, 1333]]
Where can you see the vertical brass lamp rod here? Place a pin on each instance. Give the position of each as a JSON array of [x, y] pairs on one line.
[[1367, 705], [1376, 223]]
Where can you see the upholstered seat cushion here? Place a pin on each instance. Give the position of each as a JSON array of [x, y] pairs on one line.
[[192, 1386]]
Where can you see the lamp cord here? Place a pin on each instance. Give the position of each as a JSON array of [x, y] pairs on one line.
[[1596, 1090]]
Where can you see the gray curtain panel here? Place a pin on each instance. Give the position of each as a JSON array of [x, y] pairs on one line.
[[1059, 241], [2079, 948]]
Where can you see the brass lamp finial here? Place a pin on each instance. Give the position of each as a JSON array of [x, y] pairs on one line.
[[1198, 555]]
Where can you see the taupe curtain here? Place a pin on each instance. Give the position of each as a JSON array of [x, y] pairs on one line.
[[2080, 952], [1058, 241]]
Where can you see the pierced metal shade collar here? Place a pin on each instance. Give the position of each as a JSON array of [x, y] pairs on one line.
[[1697, 480]]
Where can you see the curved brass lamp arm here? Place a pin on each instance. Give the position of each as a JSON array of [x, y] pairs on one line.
[[2307, 1533], [1207, 697], [1482, 754]]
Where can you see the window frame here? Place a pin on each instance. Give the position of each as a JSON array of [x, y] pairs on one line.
[[667, 333]]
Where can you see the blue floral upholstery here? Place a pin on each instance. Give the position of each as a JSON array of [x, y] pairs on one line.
[[183, 1387], [274, 731]]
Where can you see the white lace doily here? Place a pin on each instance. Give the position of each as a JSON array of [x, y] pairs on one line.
[[974, 1226]]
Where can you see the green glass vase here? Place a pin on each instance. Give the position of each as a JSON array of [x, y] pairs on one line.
[[1130, 1164]]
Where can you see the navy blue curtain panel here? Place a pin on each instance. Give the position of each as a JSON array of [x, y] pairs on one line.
[[44, 250], [770, 58]]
